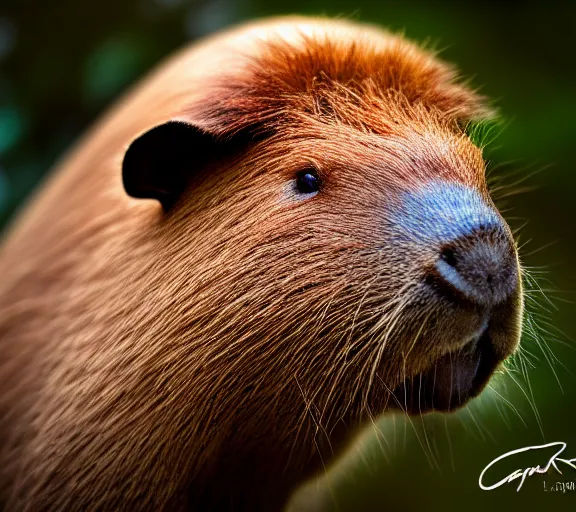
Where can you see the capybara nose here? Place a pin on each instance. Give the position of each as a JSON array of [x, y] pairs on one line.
[[471, 249], [482, 265]]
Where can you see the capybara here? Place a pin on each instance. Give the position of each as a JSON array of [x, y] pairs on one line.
[[282, 232]]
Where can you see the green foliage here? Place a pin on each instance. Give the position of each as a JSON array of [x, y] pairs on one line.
[[11, 127], [111, 67]]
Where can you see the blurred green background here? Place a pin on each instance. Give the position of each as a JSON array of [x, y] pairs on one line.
[[62, 62]]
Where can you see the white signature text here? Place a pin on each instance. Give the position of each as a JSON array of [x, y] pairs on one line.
[[522, 474]]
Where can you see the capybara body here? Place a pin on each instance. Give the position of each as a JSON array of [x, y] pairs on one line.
[[280, 233]]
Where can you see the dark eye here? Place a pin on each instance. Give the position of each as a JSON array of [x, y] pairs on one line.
[[308, 182]]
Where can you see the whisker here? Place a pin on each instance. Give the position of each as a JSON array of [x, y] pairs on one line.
[[509, 404], [530, 399]]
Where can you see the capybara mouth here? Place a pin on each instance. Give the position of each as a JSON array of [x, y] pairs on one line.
[[454, 379]]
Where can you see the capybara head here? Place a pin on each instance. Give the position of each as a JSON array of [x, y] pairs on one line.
[[348, 237]]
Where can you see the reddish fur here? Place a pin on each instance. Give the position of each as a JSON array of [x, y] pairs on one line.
[[356, 82], [208, 357]]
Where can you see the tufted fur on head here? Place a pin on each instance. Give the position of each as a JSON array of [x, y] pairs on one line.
[[370, 83], [211, 354]]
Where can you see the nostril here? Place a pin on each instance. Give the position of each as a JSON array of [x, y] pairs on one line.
[[481, 266], [449, 256]]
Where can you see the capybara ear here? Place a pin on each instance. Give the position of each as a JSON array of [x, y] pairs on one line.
[[159, 163]]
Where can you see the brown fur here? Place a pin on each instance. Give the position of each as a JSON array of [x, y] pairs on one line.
[[209, 356]]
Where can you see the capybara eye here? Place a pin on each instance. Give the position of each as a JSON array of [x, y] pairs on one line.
[[308, 182]]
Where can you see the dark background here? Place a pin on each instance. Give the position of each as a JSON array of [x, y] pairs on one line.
[[62, 62]]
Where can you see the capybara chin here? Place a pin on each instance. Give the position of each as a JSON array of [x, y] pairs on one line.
[[280, 233]]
